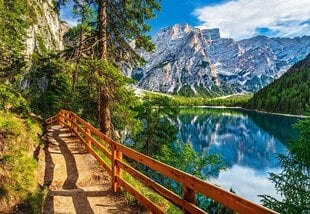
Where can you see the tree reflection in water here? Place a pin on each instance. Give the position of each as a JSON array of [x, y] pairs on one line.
[[293, 183]]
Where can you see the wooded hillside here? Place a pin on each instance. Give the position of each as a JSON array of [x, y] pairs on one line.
[[288, 94]]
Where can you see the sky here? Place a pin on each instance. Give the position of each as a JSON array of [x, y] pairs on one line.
[[237, 19]]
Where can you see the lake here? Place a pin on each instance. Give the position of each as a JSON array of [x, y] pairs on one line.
[[248, 143]]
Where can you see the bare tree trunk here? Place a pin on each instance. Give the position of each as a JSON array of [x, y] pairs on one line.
[[104, 102], [102, 29], [105, 118]]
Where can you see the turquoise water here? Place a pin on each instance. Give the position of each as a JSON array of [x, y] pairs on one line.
[[248, 143]]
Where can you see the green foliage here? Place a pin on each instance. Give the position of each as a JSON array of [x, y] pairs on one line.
[[288, 94], [186, 91], [9, 125], [129, 16], [158, 139], [229, 101], [11, 100], [50, 85], [108, 44], [149, 193], [293, 183], [13, 26], [108, 76], [121, 98], [42, 47], [155, 113], [301, 146], [183, 156], [17, 166]]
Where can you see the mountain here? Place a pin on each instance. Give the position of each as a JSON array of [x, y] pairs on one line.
[[191, 61], [27, 27], [45, 31], [288, 94]]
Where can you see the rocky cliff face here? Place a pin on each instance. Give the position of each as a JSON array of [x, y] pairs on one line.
[[45, 34], [190, 60], [46, 31]]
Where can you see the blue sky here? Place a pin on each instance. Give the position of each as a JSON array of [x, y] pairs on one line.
[[238, 19], [179, 11]]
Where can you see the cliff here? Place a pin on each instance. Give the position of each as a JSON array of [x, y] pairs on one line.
[[46, 32]]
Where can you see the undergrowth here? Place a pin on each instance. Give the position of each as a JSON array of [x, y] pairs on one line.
[[18, 171]]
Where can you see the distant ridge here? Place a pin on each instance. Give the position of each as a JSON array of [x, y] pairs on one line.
[[193, 62], [288, 94]]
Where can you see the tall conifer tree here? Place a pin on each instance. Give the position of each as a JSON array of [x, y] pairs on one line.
[[118, 23]]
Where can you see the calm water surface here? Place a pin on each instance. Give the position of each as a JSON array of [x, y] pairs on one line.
[[248, 143]]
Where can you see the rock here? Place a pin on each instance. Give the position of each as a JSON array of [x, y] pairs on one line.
[[46, 32], [188, 58]]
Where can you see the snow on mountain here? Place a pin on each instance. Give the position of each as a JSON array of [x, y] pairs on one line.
[[190, 60]]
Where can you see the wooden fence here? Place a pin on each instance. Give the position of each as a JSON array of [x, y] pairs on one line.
[[114, 151]]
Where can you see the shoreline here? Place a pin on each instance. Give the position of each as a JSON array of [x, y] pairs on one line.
[[246, 109], [275, 113]]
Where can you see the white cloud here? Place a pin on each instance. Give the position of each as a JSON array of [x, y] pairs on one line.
[[242, 18], [247, 182]]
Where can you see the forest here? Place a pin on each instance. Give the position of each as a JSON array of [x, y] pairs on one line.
[[86, 77], [288, 94]]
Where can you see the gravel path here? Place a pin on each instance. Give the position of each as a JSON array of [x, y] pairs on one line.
[[76, 184]]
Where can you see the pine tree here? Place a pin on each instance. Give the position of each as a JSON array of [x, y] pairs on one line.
[[14, 22], [293, 182], [156, 113], [118, 23]]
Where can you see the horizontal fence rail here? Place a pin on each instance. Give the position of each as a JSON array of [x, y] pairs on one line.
[[113, 163]]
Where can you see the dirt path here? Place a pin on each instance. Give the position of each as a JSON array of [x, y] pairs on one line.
[[75, 182]]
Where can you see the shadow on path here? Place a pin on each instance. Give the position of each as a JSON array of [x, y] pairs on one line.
[[79, 196]]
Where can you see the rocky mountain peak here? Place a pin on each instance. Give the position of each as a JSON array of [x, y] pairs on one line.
[[191, 61], [211, 34]]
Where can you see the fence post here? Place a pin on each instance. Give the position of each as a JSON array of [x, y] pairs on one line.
[[189, 196], [73, 123], [60, 118], [116, 171], [88, 141], [66, 119]]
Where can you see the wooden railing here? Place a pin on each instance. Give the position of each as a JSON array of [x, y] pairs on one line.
[[114, 152]]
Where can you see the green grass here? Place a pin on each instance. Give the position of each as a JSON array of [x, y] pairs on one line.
[[231, 101], [18, 171]]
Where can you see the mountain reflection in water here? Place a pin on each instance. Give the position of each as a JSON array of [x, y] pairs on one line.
[[248, 143]]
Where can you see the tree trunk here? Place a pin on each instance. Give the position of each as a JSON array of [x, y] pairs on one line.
[[104, 114], [75, 76], [104, 102], [102, 29], [75, 73], [77, 65]]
